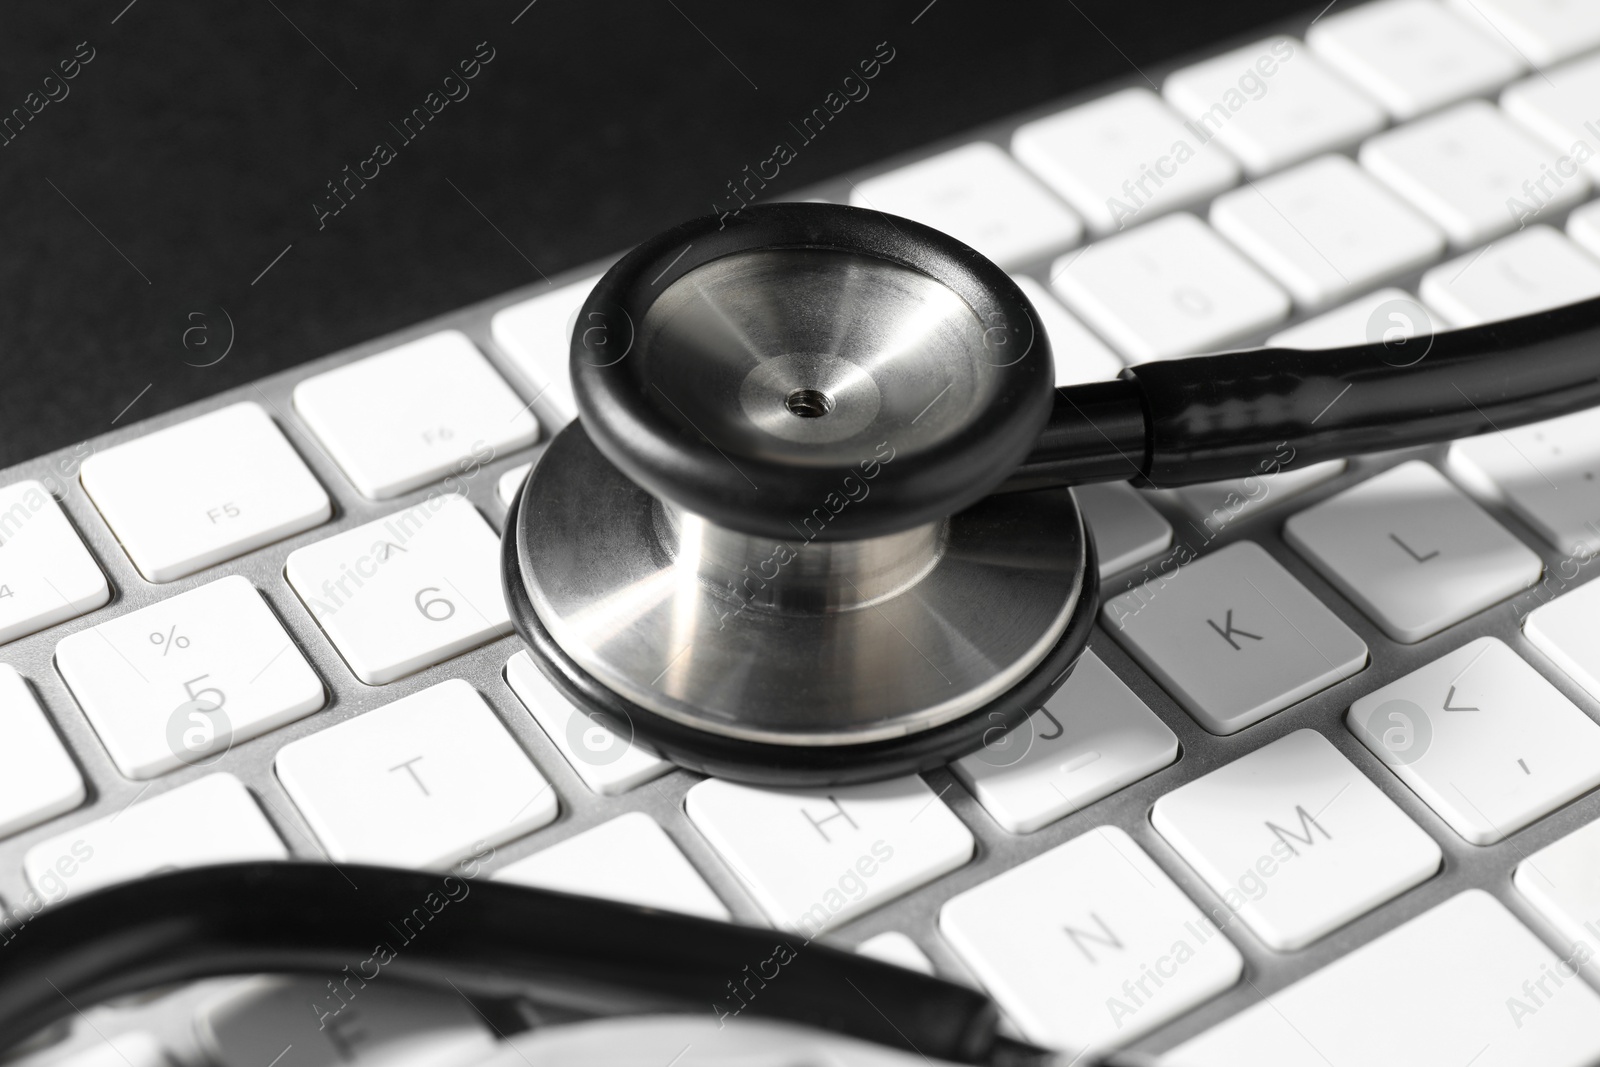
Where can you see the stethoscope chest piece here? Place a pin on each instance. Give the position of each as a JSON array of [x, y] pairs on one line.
[[765, 550]]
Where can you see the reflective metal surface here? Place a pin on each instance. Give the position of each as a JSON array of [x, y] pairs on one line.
[[822, 576], [813, 356], [795, 642]]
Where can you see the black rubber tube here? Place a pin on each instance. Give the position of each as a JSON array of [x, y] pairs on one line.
[[487, 938], [1219, 416]]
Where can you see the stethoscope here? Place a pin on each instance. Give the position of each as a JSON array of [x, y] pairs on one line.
[[812, 526]]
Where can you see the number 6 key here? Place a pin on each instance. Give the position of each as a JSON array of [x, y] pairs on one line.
[[405, 592]]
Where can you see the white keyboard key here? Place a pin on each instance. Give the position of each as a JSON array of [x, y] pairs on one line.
[[1447, 989], [1079, 355], [609, 763], [892, 946], [1413, 55], [343, 1019], [511, 481], [1326, 231], [1474, 172], [1413, 552], [1172, 288], [818, 858], [403, 418], [1124, 158], [38, 780], [1544, 31], [1483, 738], [423, 782], [1271, 104], [46, 575], [179, 683], [1233, 637], [1089, 945], [536, 335], [1093, 737], [630, 859], [1558, 106], [1126, 529], [1387, 313], [1583, 226], [204, 491], [1565, 631], [1295, 840], [405, 592], [211, 820], [1531, 271], [1547, 473], [977, 195], [1562, 882], [1216, 504]]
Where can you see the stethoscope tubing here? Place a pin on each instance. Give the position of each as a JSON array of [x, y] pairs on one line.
[[476, 937]]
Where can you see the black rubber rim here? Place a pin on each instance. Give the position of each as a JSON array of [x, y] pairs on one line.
[[674, 463], [797, 766]]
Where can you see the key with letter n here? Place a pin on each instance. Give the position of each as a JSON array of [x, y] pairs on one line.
[[1105, 937]]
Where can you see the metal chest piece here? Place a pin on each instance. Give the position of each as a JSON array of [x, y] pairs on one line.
[[765, 550]]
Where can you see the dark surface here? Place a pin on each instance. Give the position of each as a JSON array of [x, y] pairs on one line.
[[200, 135]]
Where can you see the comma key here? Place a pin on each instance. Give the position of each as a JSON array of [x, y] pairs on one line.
[[1483, 738]]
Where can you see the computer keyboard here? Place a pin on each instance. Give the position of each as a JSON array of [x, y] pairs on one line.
[[1321, 792]]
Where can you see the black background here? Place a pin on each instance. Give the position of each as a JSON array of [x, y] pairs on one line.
[[200, 135]]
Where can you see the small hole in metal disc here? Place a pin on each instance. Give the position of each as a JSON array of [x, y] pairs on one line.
[[808, 403]]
